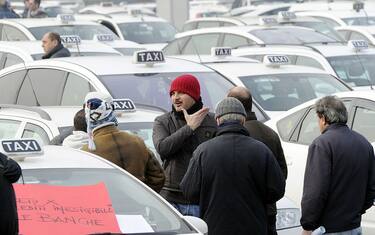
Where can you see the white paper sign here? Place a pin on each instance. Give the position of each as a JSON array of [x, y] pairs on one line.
[[133, 224]]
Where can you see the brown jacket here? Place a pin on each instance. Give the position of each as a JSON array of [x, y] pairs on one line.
[[130, 153]]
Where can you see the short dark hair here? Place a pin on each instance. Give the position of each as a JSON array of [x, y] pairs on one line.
[[332, 109], [54, 36], [242, 94], [37, 2], [80, 121]]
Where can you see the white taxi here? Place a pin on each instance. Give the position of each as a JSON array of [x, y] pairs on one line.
[[125, 47], [260, 10], [353, 63], [34, 29], [108, 8], [60, 166], [366, 33], [200, 41], [274, 84], [298, 127]]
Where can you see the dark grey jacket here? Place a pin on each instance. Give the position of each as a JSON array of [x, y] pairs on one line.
[[339, 180], [57, 52], [269, 137], [175, 142], [233, 176], [10, 172]]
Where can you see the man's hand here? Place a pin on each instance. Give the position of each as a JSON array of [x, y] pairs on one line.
[[304, 232], [194, 120]]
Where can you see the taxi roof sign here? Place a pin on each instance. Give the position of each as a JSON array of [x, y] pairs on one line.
[[267, 21], [286, 15], [148, 57], [66, 18], [358, 45], [104, 37], [20, 146], [221, 51], [275, 60], [70, 39], [124, 105]]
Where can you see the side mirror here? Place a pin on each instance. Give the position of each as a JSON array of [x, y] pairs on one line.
[[198, 223]]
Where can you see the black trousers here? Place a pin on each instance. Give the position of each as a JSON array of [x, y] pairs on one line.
[[272, 225]]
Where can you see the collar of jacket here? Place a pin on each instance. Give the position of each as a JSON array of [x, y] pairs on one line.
[[232, 127], [53, 51], [197, 106], [250, 116], [105, 130], [334, 126]]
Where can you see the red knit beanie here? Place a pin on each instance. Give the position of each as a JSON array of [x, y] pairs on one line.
[[187, 84]]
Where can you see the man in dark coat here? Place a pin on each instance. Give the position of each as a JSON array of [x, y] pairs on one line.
[[177, 134], [10, 172], [233, 176], [267, 136], [339, 184], [52, 46], [6, 11], [33, 10]]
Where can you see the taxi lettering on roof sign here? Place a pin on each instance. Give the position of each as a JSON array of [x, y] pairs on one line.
[[66, 18], [125, 105], [287, 15], [221, 51], [268, 21], [104, 37], [358, 44], [148, 57], [276, 60], [21, 146], [70, 39]]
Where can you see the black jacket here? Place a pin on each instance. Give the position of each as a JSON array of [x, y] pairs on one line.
[[269, 137], [10, 172], [233, 176], [175, 142], [339, 180], [58, 51]]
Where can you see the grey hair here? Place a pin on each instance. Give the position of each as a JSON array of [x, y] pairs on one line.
[[332, 109], [231, 117]]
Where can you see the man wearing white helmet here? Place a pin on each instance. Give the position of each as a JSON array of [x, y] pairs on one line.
[[125, 150]]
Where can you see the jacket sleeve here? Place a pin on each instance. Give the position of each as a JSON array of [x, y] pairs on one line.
[[9, 169], [191, 183], [370, 192], [316, 186], [154, 173], [167, 144], [275, 180]]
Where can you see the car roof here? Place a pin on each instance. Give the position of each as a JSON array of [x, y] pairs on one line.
[[338, 14], [368, 28], [19, 111], [40, 22], [63, 157], [125, 18], [341, 50]]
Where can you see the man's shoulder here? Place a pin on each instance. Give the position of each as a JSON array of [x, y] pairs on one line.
[[164, 117]]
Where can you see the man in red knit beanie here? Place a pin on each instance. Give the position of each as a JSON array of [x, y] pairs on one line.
[[178, 133]]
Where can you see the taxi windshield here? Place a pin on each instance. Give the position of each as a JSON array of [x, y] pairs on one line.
[[153, 88], [85, 32], [133, 199], [360, 20], [281, 92], [356, 70], [148, 32], [292, 36]]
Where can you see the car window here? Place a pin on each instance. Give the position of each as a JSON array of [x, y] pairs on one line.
[[286, 125], [36, 132], [10, 33], [281, 92], [9, 128], [12, 82], [309, 128], [134, 199], [228, 24], [176, 46], [320, 27], [355, 70], [359, 20], [12, 59], [235, 41], [307, 61], [357, 36], [208, 24], [85, 32], [345, 34], [148, 32], [201, 44], [75, 90], [47, 85], [364, 122], [274, 11], [153, 88], [328, 21]]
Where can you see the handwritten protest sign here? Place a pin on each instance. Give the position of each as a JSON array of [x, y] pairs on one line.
[[46, 209]]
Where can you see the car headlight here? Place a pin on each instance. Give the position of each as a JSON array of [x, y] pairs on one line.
[[288, 218]]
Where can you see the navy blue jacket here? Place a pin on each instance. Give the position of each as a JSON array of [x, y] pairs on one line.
[[6, 12], [339, 180]]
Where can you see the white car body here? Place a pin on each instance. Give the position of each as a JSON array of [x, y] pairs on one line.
[[107, 8], [260, 10], [296, 151], [55, 158]]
